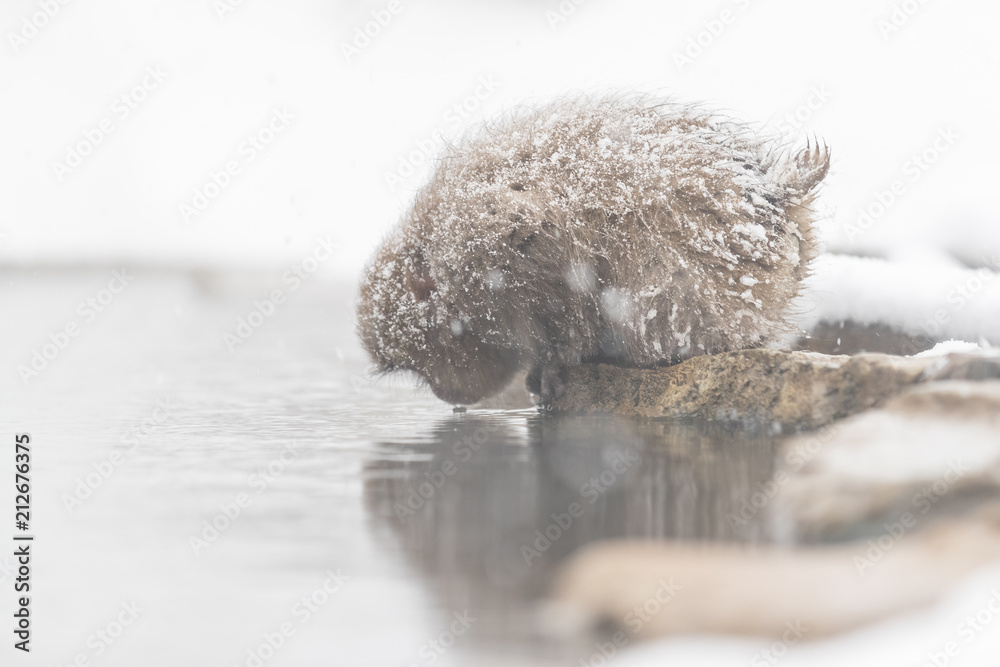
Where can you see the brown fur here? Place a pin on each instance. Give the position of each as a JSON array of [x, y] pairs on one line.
[[591, 229]]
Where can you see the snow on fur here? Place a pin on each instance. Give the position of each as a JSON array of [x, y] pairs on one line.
[[595, 228]]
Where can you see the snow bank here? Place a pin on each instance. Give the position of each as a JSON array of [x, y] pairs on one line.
[[932, 297], [948, 347]]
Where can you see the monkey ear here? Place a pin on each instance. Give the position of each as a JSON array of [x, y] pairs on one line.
[[421, 285], [807, 168]]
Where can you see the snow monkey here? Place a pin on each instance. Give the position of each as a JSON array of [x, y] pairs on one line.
[[617, 230]]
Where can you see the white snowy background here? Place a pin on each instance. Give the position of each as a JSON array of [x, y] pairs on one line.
[[906, 93], [909, 108]]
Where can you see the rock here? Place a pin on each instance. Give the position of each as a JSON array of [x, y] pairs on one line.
[[801, 389], [718, 588], [932, 450], [849, 337]]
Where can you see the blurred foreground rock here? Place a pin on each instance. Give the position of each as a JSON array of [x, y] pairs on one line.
[[933, 450], [879, 513], [729, 589], [803, 389]]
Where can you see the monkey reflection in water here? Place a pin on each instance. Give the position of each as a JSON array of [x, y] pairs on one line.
[[487, 506]]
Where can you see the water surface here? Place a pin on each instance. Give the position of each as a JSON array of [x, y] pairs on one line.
[[410, 515]]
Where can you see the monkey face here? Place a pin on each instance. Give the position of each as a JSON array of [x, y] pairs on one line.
[[461, 369], [405, 324]]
